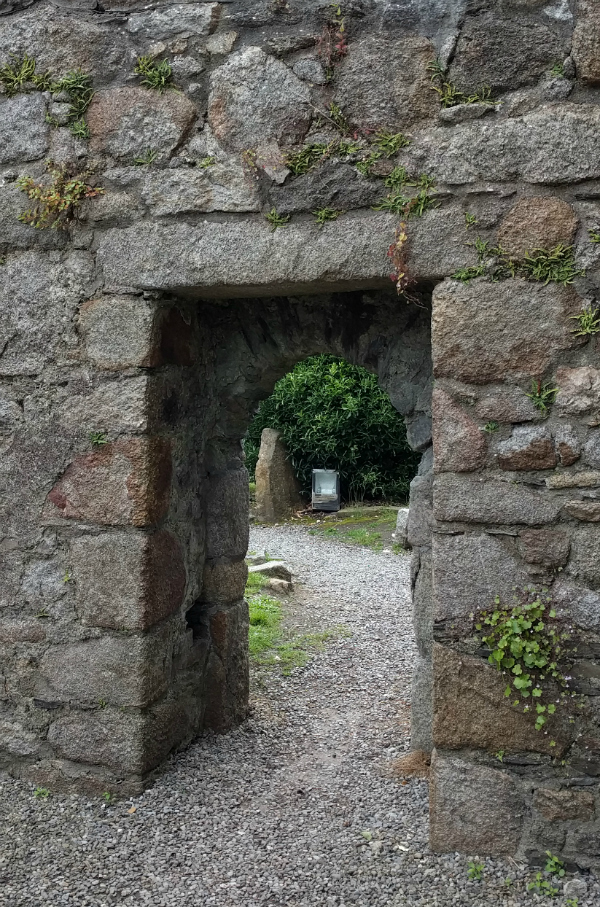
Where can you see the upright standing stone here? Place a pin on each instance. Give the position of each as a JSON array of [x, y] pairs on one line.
[[277, 490]]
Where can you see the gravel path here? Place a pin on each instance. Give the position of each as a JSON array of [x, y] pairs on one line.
[[297, 807]]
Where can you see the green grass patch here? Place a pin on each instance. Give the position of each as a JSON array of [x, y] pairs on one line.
[[370, 527], [268, 642]]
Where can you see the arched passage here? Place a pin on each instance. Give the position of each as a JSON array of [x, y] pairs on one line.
[[245, 346]]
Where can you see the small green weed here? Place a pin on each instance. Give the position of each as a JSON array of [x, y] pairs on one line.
[[558, 70], [542, 395], [508, 881], [594, 235], [397, 179], [572, 902], [97, 438], [56, 203], [338, 119], [205, 162], [395, 203], [365, 167], [21, 75], [345, 148], [80, 129], [107, 797], [43, 614], [470, 220], [67, 577], [554, 865], [156, 74], [542, 886], [491, 427], [500, 755], [306, 158], [467, 274], [255, 582], [588, 322], [450, 95], [323, 215], [364, 537], [146, 158], [555, 265], [41, 793], [78, 86], [390, 143], [475, 871], [526, 645], [421, 203], [277, 220], [397, 548]]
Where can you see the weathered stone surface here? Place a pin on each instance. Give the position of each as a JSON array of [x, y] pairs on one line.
[[578, 390], [107, 737], [116, 406], [580, 605], [459, 445], [484, 332], [567, 445], [470, 499], [552, 145], [402, 527], [549, 547], [17, 739], [588, 478], [564, 805], [227, 676], [506, 404], [588, 511], [277, 489], [436, 244], [469, 571], [127, 580], [423, 604], [15, 631], [472, 712], [591, 450], [351, 252], [584, 563], [255, 98], [420, 514], [474, 809], [119, 331], [178, 19], [421, 708], [586, 42], [334, 183], [224, 582], [537, 223], [34, 333], [310, 70], [125, 121], [124, 483], [65, 40], [384, 82], [529, 447], [222, 187], [119, 671], [16, 235], [503, 51], [462, 113], [227, 514], [23, 129]]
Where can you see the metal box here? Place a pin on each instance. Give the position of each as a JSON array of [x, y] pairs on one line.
[[325, 489]]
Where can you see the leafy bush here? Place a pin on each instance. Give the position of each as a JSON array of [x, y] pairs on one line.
[[333, 415]]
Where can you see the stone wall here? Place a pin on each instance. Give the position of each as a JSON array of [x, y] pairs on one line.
[[135, 344]]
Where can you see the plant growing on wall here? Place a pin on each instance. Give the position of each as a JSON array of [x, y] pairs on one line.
[[21, 74], [526, 643], [332, 45], [542, 395], [450, 95], [57, 201], [156, 74], [334, 415], [588, 322]]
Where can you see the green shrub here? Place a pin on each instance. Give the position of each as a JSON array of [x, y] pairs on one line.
[[333, 415]]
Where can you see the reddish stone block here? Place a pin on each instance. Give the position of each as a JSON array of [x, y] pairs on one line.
[[549, 547], [125, 483], [564, 805], [530, 447], [459, 445], [128, 580]]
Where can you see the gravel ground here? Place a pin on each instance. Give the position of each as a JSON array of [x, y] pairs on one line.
[[297, 807]]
